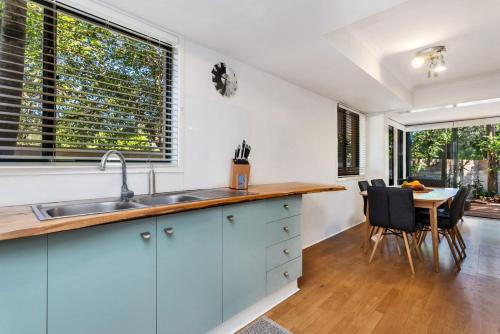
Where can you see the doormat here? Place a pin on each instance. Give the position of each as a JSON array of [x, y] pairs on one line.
[[264, 325]]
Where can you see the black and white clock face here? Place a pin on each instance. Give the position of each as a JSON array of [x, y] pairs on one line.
[[224, 80]]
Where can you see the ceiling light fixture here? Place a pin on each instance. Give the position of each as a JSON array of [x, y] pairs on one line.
[[434, 55]]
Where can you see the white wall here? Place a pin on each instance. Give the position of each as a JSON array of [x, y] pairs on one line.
[[377, 143], [292, 132]]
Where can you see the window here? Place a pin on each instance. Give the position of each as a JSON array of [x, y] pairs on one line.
[[73, 86], [391, 155], [400, 155], [351, 146]]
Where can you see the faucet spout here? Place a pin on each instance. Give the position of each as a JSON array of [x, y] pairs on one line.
[[126, 193]]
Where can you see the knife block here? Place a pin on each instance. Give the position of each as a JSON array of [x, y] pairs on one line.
[[240, 175]]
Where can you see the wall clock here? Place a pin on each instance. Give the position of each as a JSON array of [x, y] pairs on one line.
[[224, 80]]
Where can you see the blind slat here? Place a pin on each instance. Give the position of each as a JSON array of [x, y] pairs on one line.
[[93, 80], [173, 131]]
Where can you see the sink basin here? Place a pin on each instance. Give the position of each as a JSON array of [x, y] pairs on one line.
[[44, 212], [91, 207], [166, 199]]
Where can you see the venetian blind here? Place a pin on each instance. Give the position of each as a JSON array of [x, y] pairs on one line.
[[73, 86], [351, 142]]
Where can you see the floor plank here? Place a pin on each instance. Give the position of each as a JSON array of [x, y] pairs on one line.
[[342, 293]]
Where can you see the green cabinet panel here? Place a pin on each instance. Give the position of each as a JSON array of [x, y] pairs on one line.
[[23, 285], [102, 280], [284, 274], [282, 230], [283, 252], [282, 207], [190, 272], [244, 256]]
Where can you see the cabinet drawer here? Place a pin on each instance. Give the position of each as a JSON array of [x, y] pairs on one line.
[[282, 230], [283, 252], [283, 207], [284, 274]]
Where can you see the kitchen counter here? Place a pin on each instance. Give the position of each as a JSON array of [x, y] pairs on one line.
[[20, 221]]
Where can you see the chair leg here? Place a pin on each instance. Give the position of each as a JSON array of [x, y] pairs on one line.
[[456, 244], [415, 245], [459, 235], [452, 248], [422, 237], [396, 240], [379, 238], [408, 252]]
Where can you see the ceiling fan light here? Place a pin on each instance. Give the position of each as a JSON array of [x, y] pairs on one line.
[[418, 61], [440, 68]]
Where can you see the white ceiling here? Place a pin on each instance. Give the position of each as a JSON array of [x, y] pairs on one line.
[[468, 28], [282, 37], [357, 52]]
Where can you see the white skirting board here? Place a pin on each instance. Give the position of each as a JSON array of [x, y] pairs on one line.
[[251, 313]]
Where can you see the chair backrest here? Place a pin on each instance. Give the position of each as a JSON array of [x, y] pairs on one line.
[[378, 183], [392, 208], [378, 200], [456, 205], [469, 188], [402, 209], [363, 185]]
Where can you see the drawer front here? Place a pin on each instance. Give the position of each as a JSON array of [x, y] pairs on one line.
[[284, 274], [282, 230], [283, 207], [283, 252]]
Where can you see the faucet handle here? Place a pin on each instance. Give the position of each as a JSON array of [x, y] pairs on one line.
[[127, 194]]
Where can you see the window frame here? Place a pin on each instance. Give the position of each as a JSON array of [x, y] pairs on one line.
[[118, 23]]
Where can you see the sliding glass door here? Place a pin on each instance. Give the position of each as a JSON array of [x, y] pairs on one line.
[[456, 156]]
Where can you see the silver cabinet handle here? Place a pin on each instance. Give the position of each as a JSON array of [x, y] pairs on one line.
[[286, 229], [286, 274], [286, 206], [169, 231], [286, 251], [230, 218], [146, 235]]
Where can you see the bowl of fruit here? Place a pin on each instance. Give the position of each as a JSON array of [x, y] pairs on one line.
[[415, 186]]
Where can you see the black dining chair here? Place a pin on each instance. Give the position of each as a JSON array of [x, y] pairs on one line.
[[392, 211], [462, 211], [363, 186], [378, 183], [447, 225]]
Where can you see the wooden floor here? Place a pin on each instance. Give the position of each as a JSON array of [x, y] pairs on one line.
[[342, 293]]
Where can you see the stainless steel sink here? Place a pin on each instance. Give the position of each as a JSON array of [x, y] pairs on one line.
[[51, 211], [166, 199], [90, 207]]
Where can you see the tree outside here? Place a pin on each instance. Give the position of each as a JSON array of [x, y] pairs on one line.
[[466, 155]]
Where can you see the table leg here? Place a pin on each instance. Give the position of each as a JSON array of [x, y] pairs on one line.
[[435, 240]]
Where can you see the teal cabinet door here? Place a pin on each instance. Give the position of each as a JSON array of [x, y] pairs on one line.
[[23, 285], [244, 256], [102, 280], [189, 272]]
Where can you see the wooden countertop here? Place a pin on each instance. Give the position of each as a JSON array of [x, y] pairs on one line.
[[20, 221]]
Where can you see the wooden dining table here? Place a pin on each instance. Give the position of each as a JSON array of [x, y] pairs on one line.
[[427, 200]]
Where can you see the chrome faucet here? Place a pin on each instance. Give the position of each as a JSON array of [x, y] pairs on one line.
[[126, 194]]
